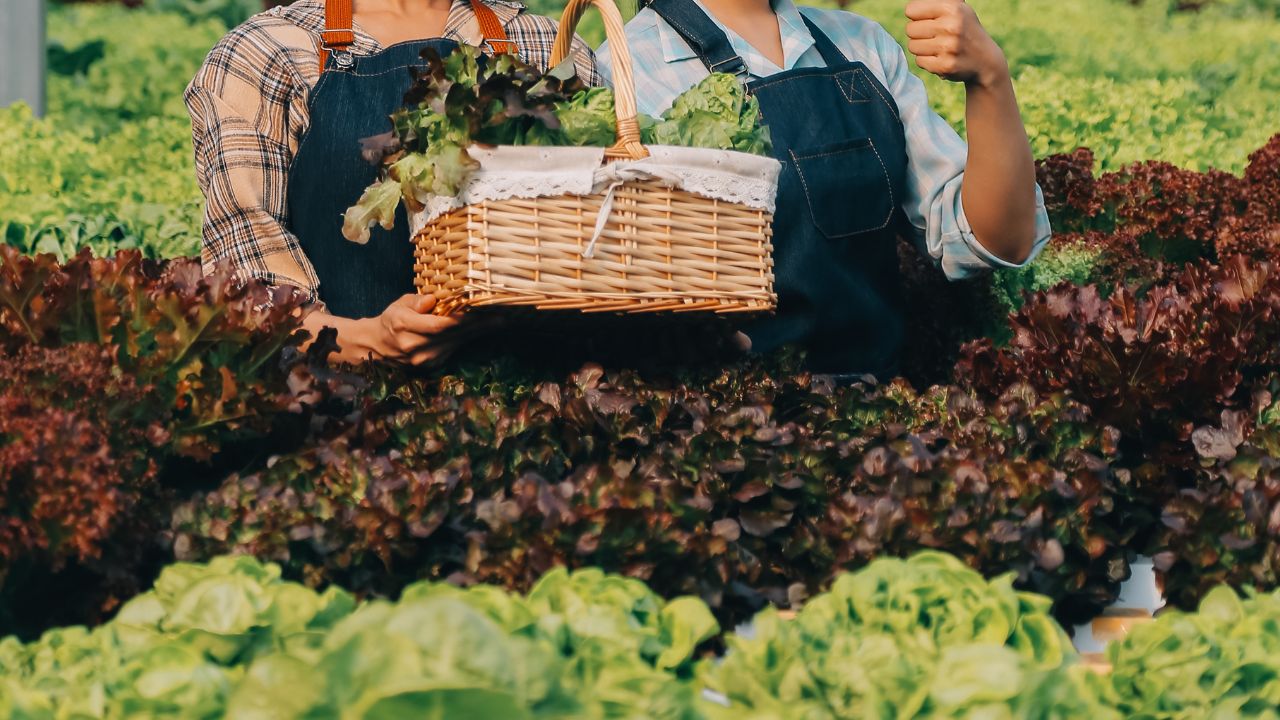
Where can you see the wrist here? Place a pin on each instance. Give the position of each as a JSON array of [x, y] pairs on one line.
[[355, 338], [358, 340], [992, 75]]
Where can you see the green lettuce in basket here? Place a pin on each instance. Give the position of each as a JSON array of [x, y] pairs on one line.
[[715, 113], [465, 99]]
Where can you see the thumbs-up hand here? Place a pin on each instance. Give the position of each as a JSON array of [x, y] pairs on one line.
[[948, 41]]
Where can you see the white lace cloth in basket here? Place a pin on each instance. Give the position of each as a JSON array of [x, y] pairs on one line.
[[511, 171]]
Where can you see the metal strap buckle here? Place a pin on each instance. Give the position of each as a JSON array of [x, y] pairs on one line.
[[323, 33], [512, 48], [732, 66]]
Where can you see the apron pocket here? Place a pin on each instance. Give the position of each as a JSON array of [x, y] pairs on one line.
[[847, 187]]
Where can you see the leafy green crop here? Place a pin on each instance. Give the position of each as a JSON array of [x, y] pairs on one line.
[[715, 113], [65, 188], [231, 639], [924, 637], [464, 100], [1220, 662], [175, 651], [229, 12], [110, 167], [147, 59], [918, 638]]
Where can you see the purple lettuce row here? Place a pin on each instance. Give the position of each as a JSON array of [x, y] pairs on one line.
[[755, 487]]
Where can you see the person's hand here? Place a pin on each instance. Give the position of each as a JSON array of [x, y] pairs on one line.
[[405, 332], [948, 41], [408, 332]]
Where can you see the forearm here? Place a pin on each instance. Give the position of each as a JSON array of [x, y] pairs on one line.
[[353, 336], [999, 180]]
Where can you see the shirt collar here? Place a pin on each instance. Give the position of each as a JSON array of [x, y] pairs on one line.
[[796, 39], [674, 47]]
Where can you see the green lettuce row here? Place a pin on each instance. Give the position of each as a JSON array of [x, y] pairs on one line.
[[232, 639], [919, 638], [62, 189], [110, 166], [111, 66]]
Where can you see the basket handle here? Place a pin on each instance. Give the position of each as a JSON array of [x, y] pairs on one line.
[[628, 146]]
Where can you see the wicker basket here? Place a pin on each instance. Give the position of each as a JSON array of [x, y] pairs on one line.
[[660, 250]]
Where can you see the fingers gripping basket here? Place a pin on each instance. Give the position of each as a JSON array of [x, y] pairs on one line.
[[624, 229]]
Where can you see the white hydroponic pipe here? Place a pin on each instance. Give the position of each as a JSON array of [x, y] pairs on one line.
[[22, 53]]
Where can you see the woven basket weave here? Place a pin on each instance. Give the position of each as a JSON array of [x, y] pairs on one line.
[[661, 250]]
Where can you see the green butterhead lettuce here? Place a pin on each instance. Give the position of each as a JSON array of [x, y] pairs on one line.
[[589, 118], [918, 638], [1222, 661], [923, 637], [715, 113], [231, 639]]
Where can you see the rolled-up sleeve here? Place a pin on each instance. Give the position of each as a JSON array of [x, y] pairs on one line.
[[936, 158], [240, 103]]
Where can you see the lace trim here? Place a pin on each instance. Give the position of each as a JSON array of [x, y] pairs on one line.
[[531, 172]]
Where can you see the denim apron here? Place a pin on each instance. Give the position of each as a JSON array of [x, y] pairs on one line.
[[352, 100], [839, 137]]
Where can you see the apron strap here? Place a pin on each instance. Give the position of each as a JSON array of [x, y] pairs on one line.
[[712, 45], [831, 54], [339, 34], [491, 30], [703, 35]]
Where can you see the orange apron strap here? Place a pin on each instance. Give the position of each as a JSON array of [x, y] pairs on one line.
[[337, 34], [491, 30]]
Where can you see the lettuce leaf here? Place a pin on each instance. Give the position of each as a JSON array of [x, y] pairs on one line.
[[377, 206]]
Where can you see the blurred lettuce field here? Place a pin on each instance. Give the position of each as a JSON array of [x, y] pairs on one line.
[[110, 167]]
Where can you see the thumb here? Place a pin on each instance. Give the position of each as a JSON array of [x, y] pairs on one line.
[[417, 303], [426, 303]]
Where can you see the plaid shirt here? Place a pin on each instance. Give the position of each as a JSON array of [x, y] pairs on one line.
[[248, 106], [664, 66]]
